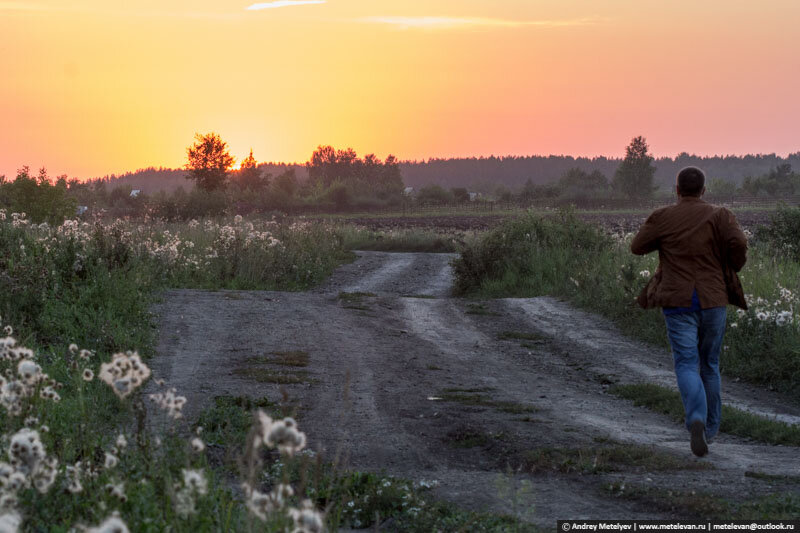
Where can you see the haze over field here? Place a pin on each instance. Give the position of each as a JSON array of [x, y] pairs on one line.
[[92, 88]]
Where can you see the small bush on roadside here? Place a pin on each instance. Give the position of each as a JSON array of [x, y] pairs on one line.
[[530, 251], [782, 235]]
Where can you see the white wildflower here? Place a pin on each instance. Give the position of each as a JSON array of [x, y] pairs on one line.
[[261, 504], [783, 318], [112, 524], [281, 434], [117, 490], [194, 484], [124, 373], [111, 461], [307, 519], [10, 521], [170, 402], [29, 371]]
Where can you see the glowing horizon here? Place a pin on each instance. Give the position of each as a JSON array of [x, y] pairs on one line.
[[91, 89]]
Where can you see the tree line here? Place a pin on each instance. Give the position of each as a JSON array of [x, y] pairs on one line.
[[340, 180]]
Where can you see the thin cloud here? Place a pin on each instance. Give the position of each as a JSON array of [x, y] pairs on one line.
[[21, 6], [283, 3], [467, 22]]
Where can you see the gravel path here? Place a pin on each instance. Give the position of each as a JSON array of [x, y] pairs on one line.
[[379, 361]]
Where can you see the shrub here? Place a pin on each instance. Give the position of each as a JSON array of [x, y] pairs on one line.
[[531, 250], [201, 203], [783, 234], [38, 198]]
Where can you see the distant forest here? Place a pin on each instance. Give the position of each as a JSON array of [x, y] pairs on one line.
[[485, 174]]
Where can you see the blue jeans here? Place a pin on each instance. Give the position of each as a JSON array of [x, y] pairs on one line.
[[696, 339]]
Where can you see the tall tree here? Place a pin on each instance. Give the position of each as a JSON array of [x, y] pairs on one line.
[[634, 176], [249, 176], [209, 162]]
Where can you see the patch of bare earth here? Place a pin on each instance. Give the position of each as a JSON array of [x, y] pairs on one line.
[[478, 396]]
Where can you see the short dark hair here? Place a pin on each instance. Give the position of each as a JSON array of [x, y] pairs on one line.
[[691, 181]]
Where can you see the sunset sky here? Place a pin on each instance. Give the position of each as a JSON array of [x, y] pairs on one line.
[[91, 87]]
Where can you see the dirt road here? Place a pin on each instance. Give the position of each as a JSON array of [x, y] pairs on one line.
[[403, 378]]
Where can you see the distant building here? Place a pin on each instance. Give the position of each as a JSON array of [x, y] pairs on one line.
[[408, 191], [474, 196], [135, 193]]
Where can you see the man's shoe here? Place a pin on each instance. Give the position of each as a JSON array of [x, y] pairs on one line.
[[698, 442]]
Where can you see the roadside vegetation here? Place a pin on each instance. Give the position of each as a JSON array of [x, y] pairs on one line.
[[734, 421], [83, 447], [705, 506], [401, 240], [563, 256]]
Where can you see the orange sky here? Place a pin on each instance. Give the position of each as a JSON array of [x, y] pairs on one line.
[[90, 87]]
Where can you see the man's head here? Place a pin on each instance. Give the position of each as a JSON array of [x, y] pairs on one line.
[[691, 182]]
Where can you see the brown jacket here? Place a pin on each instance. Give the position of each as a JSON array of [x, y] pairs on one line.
[[700, 247]]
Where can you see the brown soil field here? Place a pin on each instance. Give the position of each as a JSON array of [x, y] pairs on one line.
[[615, 222]]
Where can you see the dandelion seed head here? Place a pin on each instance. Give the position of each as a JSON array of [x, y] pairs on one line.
[[10, 521], [117, 490], [195, 480], [111, 461], [124, 373], [112, 524], [307, 519], [29, 371]]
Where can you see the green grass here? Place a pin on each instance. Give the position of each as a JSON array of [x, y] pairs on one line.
[[355, 300], [268, 375], [353, 499], [605, 458], [734, 421], [295, 358], [404, 240], [702, 505], [480, 309], [772, 478], [354, 296], [468, 438], [474, 397]]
